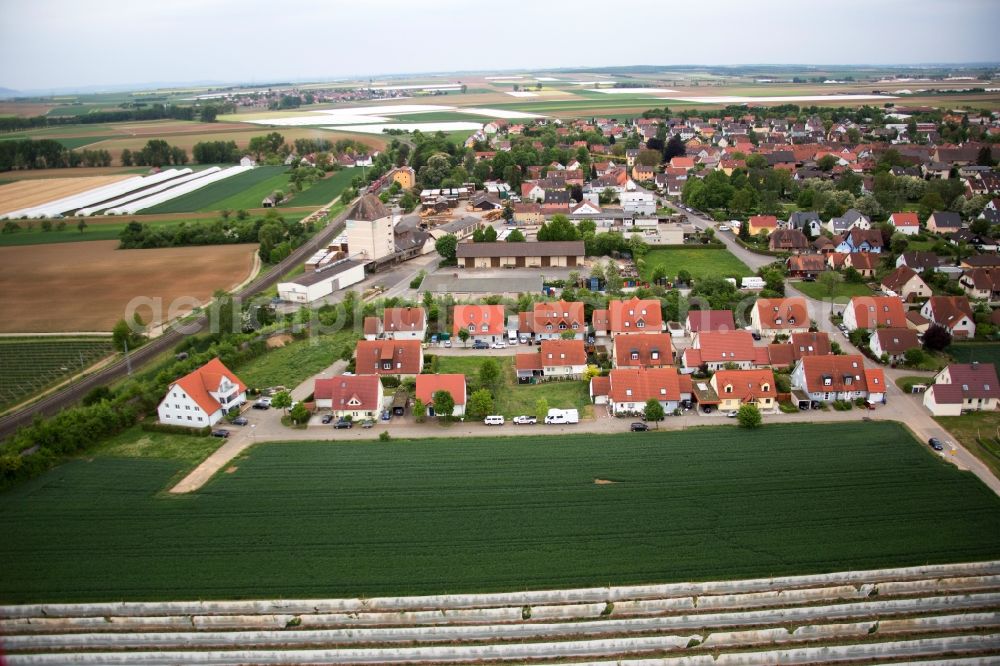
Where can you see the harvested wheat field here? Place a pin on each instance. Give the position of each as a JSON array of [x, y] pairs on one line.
[[87, 286], [25, 193]]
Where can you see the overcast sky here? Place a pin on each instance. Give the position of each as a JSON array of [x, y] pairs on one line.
[[82, 43]]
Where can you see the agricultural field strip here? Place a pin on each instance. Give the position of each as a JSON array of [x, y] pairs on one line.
[[209, 198], [178, 191], [510, 632], [384, 115], [30, 366], [23, 194], [983, 644], [853, 587], [183, 176]]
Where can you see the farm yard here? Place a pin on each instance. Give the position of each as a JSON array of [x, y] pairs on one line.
[[438, 516], [28, 366], [86, 286], [699, 261]]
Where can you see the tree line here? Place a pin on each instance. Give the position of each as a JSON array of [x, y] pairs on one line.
[[154, 112], [47, 154]]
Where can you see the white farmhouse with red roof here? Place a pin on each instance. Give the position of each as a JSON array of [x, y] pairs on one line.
[[202, 397]]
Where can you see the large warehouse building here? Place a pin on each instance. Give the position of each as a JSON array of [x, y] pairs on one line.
[[521, 255]]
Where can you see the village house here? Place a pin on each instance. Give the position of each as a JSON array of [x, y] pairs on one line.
[[652, 350], [952, 312], [389, 357], [942, 222], [905, 283], [805, 265], [827, 378], [736, 388], [719, 349], [428, 385], [788, 240], [905, 223], [918, 261], [981, 283], [709, 320], [404, 323], [871, 312], [806, 221], [560, 359], [553, 320], [962, 387], [485, 323], [354, 396], [859, 240], [202, 397], [626, 390], [786, 354], [864, 263], [893, 342], [758, 223], [631, 316], [849, 220], [779, 316]]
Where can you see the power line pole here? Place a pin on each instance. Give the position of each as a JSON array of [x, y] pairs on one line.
[[128, 361]]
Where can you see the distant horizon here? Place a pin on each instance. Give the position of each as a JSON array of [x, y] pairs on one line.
[[98, 88], [64, 45]]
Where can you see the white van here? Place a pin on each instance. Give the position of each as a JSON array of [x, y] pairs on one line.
[[493, 420], [559, 416]]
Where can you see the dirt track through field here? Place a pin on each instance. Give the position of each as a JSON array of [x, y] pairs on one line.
[[25, 193], [86, 286]]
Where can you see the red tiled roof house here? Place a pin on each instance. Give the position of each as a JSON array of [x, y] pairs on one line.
[[202, 397], [357, 396]]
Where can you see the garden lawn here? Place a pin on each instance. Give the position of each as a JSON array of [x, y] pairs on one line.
[[323, 519], [979, 432], [298, 360], [844, 290], [699, 261], [513, 399]]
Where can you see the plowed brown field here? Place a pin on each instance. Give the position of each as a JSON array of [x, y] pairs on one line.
[[25, 193], [87, 286]]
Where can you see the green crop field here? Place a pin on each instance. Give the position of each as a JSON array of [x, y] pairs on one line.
[[245, 190], [321, 519], [324, 191], [699, 261], [984, 352], [30, 365]]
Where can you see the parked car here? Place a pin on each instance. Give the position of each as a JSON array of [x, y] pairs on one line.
[[343, 423], [731, 413], [755, 335], [525, 420], [723, 227], [265, 400], [707, 409], [494, 419], [524, 339], [639, 427], [327, 419], [386, 415], [447, 343], [480, 344], [936, 444], [221, 432], [261, 405], [367, 423], [499, 344], [240, 421]]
